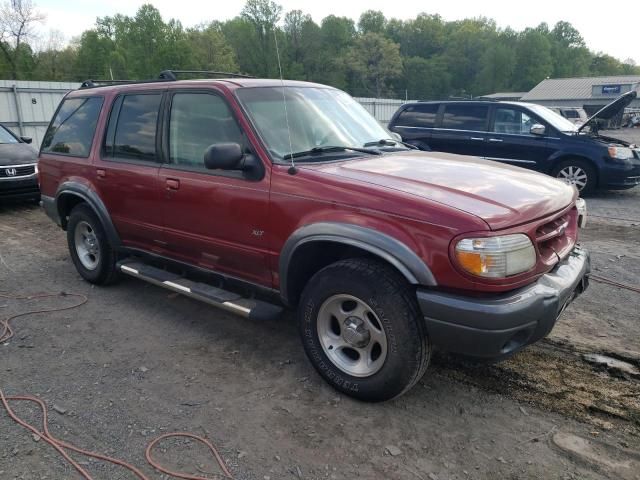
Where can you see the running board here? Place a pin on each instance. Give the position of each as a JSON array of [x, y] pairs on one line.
[[224, 299]]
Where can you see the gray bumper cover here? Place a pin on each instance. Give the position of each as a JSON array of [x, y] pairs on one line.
[[499, 325]]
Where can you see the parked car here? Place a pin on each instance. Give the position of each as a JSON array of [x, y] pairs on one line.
[[526, 135], [575, 115], [18, 167], [385, 251]]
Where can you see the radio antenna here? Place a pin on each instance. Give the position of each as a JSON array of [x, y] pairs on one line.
[[292, 169]]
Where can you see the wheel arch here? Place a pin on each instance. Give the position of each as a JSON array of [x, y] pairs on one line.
[[312, 247], [71, 194], [572, 156]]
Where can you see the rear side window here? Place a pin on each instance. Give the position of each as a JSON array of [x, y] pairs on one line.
[[465, 117], [71, 132], [132, 127], [419, 115]]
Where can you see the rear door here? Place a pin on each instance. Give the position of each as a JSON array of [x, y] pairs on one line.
[[215, 219], [511, 141], [127, 170], [462, 129], [415, 124]]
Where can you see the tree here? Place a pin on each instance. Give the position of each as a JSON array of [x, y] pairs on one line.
[[534, 62], [263, 15], [496, 70], [375, 60], [209, 50], [18, 19], [372, 21]]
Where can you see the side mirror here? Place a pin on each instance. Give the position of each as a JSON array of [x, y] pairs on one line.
[[224, 156], [26, 139], [537, 129]]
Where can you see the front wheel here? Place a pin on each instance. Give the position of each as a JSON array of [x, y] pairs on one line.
[[577, 173], [362, 329]]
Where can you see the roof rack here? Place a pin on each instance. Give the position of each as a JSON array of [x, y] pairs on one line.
[[172, 74], [164, 76]]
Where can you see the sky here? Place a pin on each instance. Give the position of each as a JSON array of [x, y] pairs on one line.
[[604, 26]]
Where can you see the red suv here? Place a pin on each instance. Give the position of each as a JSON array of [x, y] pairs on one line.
[[254, 195]]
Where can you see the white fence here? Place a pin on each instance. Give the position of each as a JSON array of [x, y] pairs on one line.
[[27, 107], [381, 108]]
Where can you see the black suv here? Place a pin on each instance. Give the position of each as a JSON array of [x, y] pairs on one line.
[[526, 135], [18, 167]]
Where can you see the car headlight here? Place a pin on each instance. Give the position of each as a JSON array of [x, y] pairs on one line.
[[496, 257], [621, 153]]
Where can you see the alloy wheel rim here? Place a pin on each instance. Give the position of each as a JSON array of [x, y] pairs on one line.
[[87, 245], [573, 175], [351, 335]]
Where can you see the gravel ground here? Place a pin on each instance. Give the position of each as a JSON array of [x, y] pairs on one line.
[[137, 361]]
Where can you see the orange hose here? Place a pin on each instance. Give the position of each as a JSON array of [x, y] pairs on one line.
[[60, 445], [7, 331]]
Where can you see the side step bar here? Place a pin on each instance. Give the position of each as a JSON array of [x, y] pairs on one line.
[[229, 301]]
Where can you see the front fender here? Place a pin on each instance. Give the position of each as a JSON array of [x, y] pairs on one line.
[[388, 248]]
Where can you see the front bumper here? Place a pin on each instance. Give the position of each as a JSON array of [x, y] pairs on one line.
[[620, 174], [19, 188], [499, 325]]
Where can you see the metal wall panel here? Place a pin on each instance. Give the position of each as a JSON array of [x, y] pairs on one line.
[[26, 107]]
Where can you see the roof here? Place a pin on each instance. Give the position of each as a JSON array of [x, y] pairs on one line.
[[499, 95], [576, 88]]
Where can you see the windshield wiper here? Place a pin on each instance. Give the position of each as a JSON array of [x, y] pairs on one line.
[[329, 149], [387, 142]]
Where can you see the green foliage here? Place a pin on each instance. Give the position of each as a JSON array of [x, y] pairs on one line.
[[374, 60], [425, 57]]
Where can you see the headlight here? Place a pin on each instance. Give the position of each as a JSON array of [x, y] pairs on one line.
[[621, 153], [496, 257]]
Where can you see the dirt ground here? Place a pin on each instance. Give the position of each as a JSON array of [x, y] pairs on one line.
[[137, 361]]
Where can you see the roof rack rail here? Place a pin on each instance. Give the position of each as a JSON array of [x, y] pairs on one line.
[[171, 75], [165, 76], [105, 83]]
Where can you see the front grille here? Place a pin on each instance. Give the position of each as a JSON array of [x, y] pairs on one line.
[[21, 171], [556, 238]]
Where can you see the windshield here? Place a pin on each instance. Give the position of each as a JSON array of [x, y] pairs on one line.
[[555, 119], [6, 137], [317, 117]]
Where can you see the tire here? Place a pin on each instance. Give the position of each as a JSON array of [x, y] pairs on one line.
[[383, 311], [94, 258], [572, 171]]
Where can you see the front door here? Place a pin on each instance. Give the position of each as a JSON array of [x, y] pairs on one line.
[[511, 141], [214, 219], [127, 170]]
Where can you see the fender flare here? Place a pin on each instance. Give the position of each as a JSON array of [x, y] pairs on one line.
[[388, 248], [90, 197]]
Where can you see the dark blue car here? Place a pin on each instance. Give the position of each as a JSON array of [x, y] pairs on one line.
[[526, 135]]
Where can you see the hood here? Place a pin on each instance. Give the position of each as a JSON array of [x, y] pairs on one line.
[[612, 109], [17, 154], [502, 195]]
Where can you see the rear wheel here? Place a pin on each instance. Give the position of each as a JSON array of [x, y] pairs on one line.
[[578, 173], [362, 329], [89, 247]]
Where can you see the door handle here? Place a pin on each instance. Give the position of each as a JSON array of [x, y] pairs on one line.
[[479, 139], [172, 183], [495, 140], [101, 173]]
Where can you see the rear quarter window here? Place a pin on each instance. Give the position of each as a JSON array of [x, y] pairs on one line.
[[419, 116], [71, 132]]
